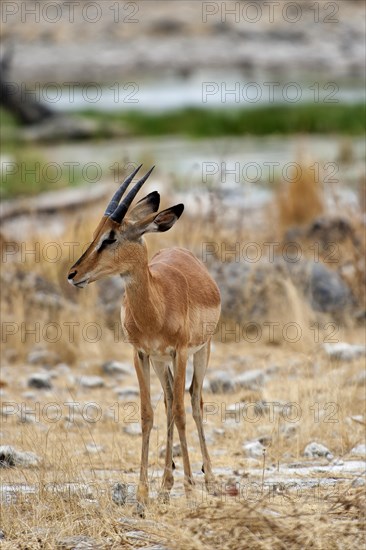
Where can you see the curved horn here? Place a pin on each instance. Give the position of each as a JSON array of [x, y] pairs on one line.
[[119, 193], [122, 208]]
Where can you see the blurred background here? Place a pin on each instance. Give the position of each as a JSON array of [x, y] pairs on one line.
[[253, 113]]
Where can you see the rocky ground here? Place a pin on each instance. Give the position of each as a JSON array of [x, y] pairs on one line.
[[284, 430], [284, 406]]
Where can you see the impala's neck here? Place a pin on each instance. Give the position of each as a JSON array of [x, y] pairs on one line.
[[140, 291]]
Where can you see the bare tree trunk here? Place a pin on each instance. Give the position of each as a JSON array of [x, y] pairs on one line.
[[12, 98]]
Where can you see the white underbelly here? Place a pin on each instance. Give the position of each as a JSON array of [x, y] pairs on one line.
[[153, 349], [168, 354]]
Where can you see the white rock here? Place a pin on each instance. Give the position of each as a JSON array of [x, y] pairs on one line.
[[358, 418], [133, 428], [253, 449], [116, 367], [11, 457], [29, 395], [71, 380], [93, 448], [358, 380], [43, 357], [91, 381], [77, 542], [359, 450], [218, 452], [221, 382], [317, 450], [359, 482], [127, 392], [344, 351], [250, 380], [63, 368]]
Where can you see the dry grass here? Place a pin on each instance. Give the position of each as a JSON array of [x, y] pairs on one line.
[[71, 488], [300, 200], [270, 526]]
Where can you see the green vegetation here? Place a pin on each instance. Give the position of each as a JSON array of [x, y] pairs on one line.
[[7, 119], [200, 122], [26, 173], [203, 122]]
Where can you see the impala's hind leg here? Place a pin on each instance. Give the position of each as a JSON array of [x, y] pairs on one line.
[[142, 366], [200, 362]]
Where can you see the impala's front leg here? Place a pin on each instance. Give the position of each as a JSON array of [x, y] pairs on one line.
[[166, 379], [179, 414], [142, 366]]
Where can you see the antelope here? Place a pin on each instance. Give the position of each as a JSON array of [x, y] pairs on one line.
[[170, 310]]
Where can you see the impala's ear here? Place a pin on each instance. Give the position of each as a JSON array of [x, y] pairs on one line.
[[144, 207], [163, 221]]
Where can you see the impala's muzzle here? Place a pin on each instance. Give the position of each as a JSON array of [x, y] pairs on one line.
[[73, 280]]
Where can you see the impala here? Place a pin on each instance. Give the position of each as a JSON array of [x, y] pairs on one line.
[[170, 310]]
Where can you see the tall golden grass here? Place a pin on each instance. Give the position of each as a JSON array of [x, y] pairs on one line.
[[300, 200]]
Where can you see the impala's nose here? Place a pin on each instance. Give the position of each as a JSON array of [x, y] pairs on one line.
[[71, 275]]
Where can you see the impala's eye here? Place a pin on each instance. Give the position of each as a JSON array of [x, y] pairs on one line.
[[107, 242]]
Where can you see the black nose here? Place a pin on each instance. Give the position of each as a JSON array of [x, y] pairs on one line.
[[72, 275]]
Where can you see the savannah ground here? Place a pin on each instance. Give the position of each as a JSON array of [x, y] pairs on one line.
[[88, 439], [265, 502]]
